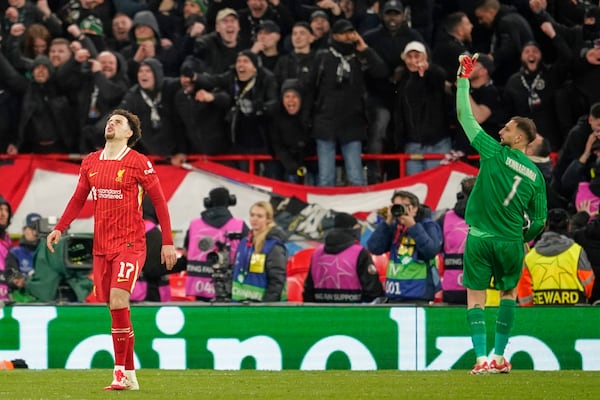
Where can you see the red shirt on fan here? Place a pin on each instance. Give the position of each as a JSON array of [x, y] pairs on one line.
[[117, 188]]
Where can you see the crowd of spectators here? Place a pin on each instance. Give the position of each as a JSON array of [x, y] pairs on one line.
[[297, 79], [221, 77]]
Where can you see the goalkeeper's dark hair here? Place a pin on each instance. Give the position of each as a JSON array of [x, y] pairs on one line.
[[134, 125], [527, 126]]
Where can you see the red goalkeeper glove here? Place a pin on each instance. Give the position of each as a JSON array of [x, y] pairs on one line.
[[466, 64]]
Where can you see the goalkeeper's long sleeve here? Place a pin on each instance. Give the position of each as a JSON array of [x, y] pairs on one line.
[[464, 111]]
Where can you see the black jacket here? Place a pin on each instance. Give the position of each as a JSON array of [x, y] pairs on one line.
[[420, 108], [548, 78], [339, 109], [204, 127], [510, 32]]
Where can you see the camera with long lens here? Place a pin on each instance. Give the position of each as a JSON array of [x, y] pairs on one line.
[[220, 261], [398, 210]]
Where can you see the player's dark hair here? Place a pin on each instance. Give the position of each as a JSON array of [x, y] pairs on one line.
[[134, 124], [527, 126]]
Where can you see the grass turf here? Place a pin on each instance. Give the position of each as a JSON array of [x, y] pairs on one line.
[[250, 384]]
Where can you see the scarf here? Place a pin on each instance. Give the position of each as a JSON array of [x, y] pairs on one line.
[[153, 104], [343, 68]]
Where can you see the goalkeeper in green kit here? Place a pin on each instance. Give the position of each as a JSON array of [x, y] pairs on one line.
[[506, 208]]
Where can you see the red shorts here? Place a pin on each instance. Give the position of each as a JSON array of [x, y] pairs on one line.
[[120, 270]]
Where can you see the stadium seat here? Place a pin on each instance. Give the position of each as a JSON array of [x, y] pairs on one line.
[[297, 268]]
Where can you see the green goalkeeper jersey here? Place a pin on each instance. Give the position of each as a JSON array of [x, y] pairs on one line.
[[508, 187]]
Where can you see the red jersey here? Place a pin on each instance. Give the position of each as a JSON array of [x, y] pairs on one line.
[[117, 187]]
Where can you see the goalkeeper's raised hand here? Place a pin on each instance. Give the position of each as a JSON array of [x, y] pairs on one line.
[[466, 64]]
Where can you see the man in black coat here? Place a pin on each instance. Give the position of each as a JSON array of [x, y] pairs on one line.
[[388, 40], [339, 112], [218, 50], [510, 31]]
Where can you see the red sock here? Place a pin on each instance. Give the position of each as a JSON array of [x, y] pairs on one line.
[[121, 328], [129, 365]]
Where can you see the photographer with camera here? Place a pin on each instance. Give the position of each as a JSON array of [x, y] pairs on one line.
[[413, 240], [19, 266], [211, 243]]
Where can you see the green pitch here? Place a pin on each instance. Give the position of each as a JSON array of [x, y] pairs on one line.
[[326, 385]]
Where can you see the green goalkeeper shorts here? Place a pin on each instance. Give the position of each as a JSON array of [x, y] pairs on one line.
[[487, 258]]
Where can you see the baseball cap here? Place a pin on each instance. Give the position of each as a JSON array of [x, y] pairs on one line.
[[487, 63], [224, 13], [413, 46], [318, 14], [393, 5], [31, 219], [342, 26], [269, 26]]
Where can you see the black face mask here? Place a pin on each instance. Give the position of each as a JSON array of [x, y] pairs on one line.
[[343, 48], [591, 32]]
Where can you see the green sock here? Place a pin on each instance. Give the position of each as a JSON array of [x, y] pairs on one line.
[[504, 324], [476, 320]]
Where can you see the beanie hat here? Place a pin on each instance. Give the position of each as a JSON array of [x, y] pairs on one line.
[[253, 57], [203, 5], [292, 84], [344, 220], [43, 60], [219, 197]]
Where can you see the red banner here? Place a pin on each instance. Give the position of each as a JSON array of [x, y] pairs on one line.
[[37, 184]]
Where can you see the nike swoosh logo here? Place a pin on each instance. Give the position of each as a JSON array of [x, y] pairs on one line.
[[93, 174], [119, 280]]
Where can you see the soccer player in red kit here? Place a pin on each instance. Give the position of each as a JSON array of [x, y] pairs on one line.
[[118, 177]]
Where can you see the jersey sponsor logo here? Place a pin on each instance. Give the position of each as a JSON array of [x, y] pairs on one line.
[[111, 194], [520, 168], [120, 174], [92, 174], [150, 169], [120, 280]]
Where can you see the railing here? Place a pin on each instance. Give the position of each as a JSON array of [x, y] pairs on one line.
[[252, 159]]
